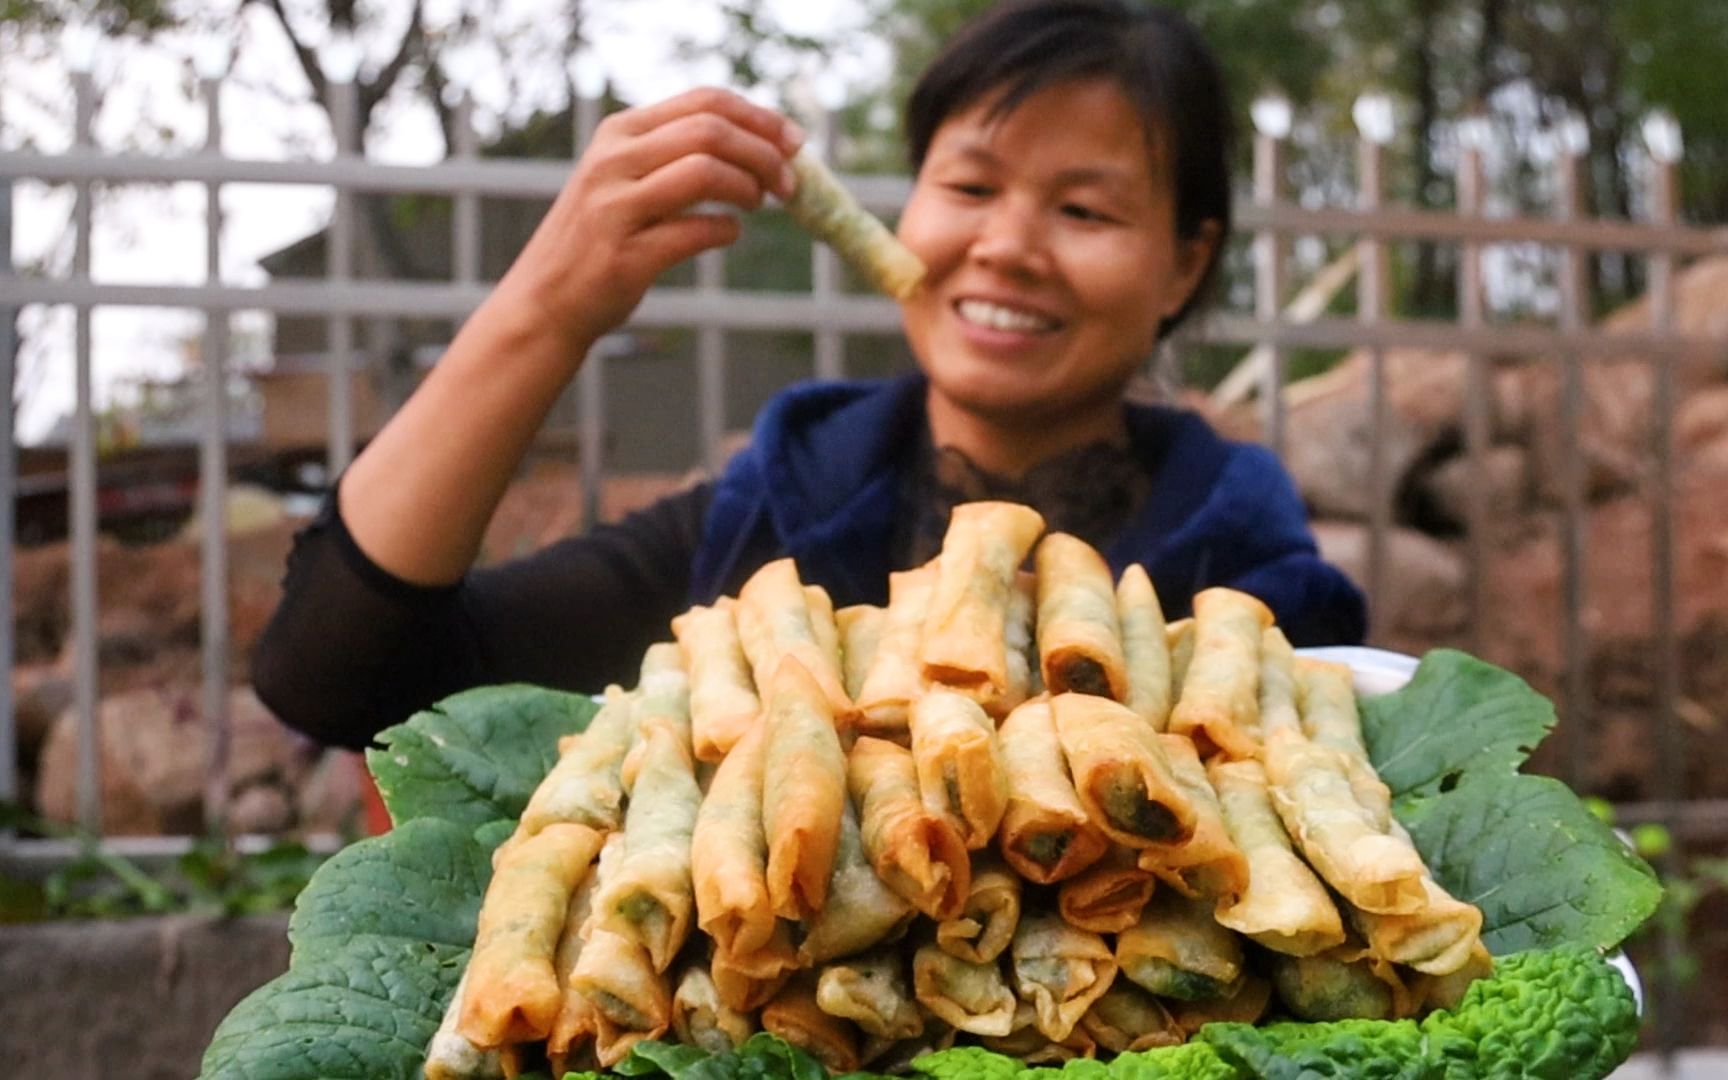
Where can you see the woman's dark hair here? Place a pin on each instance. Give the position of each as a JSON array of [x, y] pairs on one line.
[[1153, 54]]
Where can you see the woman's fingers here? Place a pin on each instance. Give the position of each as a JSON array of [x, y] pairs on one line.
[[766, 123], [674, 240], [675, 188], [711, 135]]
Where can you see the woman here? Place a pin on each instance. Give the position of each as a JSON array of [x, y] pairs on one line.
[[1071, 198]]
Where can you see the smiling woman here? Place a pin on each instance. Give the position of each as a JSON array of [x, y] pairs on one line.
[[1071, 198]]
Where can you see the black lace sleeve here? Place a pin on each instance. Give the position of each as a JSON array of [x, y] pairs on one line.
[[352, 649]]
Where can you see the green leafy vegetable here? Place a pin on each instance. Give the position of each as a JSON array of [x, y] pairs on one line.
[[475, 757]]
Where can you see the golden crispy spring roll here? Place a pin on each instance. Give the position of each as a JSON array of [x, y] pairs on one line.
[[1436, 939], [1285, 908], [1145, 647], [583, 787], [825, 626], [872, 991], [1127, 1020], [663, 694], [631, 1000], [729, 851], [893, 1057], [795, 1016], [1220, 703], [959, 765], [896, 675], [1121, 772], [449, 1056], [1338, 984], [1079, 630], [1021, 651], [701, 1019], [1180, 635], [986, 925], [964, 641], [1340, 838], [745, 981], [1446, 991], [513, 993], [1280, 708], [1030, 1046], [918, 854], [1327, 697], [1210, 864], [803, 790], [1245, 1004], [830, 213], [861, 910], [1061, 970], [1045, 833], [651, 897], [723, 701], [1108, 896], [775, 622], [861, 627], [1177, 951], [576, 1023], [974, 998]]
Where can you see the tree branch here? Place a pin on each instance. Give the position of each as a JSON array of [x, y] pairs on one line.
[[378, 89], [307, 58]]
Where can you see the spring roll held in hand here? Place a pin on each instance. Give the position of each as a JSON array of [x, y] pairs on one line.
[[830, 213], [1108, 896], [803, 791], [701, 1019], [775, 622], [584, 787], [974, 998], [918, 854], [964, 642], [985, 927], [449, 1056], [861, 627], [650, 898], [871, 991], [1121, 773], [1209, 864], [860, 910], [1145, 647], [1220, 703], [895, 677], [729, 851], [723, 701], [1061, 970], [1045, 834], [1285, 908], [959, 766], [513, 993], [1079, 631]]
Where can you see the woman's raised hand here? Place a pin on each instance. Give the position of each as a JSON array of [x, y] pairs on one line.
[[629, 210]]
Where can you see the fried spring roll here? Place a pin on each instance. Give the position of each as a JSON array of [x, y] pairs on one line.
[[1045, 834], [1279, 698], [1177, 951], [964, 640], [959, 765], [729, 851], [576, 1022], [1210, 864], [701, 1019], [1145, 647], [1127, 1020], [825, 626], [795, 1016], [1285, 908], [1079, 630], [723, 701], [1180, 635], [893, 1057], [1220, 703], [918, 854], [861, 909], [871, 990], [650, 898], [895, 678], [1121, 772], [1061, 970], [1340, 839], [803, 790], [1436, 939], [1338, 984], [1019, 647], [861, 627], [513, 993], [631, 1000], [1245, 1004], [986, 925], [830, 213], [1108, 896], [775, 622], [972, 997], [450, 1056], [1027, 1044], [1446, 991], [1330, 718], [663, 694], [745, 981], [584, 787]]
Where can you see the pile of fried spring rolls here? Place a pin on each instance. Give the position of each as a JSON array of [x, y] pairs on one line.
[[1012, 807]]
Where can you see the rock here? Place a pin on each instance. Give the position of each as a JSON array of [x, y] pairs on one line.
[[1424, 603], [1444, 494], [40, 692], [260, 808]]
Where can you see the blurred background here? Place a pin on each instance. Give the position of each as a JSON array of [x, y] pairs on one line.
[[1478, 299]]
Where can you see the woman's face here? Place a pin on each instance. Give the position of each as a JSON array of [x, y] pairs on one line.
[[1049, 237]]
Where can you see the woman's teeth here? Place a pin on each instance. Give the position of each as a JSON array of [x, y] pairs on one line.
[[997, 317]]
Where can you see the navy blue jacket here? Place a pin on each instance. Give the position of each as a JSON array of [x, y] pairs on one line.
[[821, 478]]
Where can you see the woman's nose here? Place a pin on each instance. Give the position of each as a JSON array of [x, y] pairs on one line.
[[1010, 240]]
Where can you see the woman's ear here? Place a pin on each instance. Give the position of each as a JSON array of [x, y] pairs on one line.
[[1194, 256]]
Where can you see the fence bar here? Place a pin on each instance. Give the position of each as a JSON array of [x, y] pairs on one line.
[[591, 378], [825, 272], [1269, 251], [1477, 402], [339, 256], [83, 495], [213, 491], [8, 501], [1574, 315], [711, 363], [1371, 306], [465, 208]]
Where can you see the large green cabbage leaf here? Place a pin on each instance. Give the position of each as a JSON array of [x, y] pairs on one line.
[[381, 933]]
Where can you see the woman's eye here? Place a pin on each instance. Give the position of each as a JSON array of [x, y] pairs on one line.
[[1084, 213], [971, 191]]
